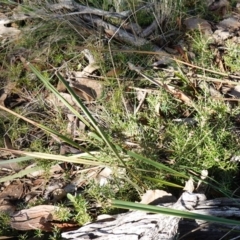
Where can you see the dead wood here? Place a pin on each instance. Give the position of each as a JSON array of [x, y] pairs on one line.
[[37, 217], [141, 225], [116, 32], [86, 16]]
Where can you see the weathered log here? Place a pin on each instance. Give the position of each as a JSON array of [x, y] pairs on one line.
[[141, 225]]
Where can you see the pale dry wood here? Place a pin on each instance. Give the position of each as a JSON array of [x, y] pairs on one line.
[[38, 217], [140, 225], [91, 16], [115, 32], [135, 225]]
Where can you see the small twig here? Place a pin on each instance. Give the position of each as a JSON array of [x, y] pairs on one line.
[[211, 79], [144, 89], [140, 103], [194, 230], [227, 99], [84, 10], [208, 70], [172, 90], [134, 68]]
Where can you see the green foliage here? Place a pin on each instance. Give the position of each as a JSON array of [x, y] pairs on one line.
[[172, 212], [38, 233], [232, 56], [56, 234], [101, 195], [209, 144], [144, 17], [80, 206], [23, 236], [63, 213], [4, 224], [200, 47]]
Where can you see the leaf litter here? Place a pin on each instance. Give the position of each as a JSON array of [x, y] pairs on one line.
[[89, 88]]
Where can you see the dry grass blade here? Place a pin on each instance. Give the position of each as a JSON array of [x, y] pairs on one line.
[[20, 174], [212, 71], [54, 157]]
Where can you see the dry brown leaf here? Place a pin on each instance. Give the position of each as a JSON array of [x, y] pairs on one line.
[[6, 91], [83, 177], [88, 70], [221, 35], [219, 7], [13, 191], [61, 87], [229, 24], [3, 98], [189, 186], [38, 217], [195, 23], [156, 197], [114, 72], [98, 174], [52, 170], [7, 207], [91, 87], [83, 92]]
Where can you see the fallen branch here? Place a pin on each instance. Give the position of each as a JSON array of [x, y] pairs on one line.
[[141, 225], [115, 32]]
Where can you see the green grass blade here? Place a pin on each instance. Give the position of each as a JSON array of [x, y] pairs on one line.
[[171, 212], [100, 132], [80, 105], [156, 164], [50, 87], [163, 182]]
